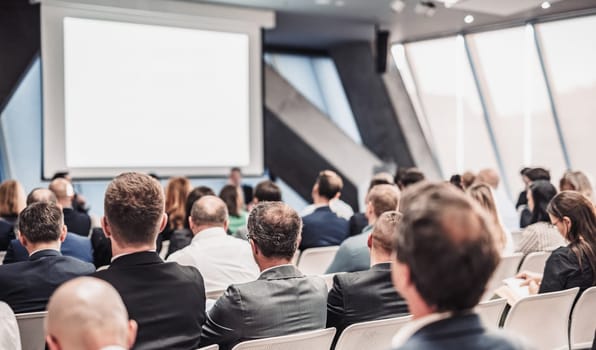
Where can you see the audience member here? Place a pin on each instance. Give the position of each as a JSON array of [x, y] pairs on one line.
[[177, 191], [529, 175], [266, 191], [505, 208], [408, 176], [9, 329], [353, 254], [443, 233], [12, 202], [575, 264], [102, 247], [88, 314], [338, 206], [221, 259], [456, 181], [324, 227], [483, 195], [76, 222], [237, 215], [235, 179], [166, 300], [540, 235], [359, 221], [467, 179], [368, 295], [78, 202], [576, 181], [282, 300], [27, 285], [74, 245]]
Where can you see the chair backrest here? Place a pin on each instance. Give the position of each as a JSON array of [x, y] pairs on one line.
[[372, 335], [543, 318], [314, 340], [210, 347], [517, 237], [2, 255], [31, 328], [506, 268], [583, 322], [214, 294], [315, 261], [534, 262], [165, 245], [329, 279], [490, 312], [9, 329]]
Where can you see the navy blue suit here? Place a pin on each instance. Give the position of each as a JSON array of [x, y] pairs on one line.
[[460, 332], [28, 285], [7, 231], [77, 222], [74, 246], [323, 228]]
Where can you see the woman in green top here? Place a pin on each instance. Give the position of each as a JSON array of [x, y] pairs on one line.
[[232, 196]]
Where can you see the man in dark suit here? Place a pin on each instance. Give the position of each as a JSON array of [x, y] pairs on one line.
[[167, 300], [323, 227], [445, 256], [368, 295], [76, 221], [282, 300], [28, 285]]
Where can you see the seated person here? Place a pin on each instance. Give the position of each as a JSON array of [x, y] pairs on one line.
[[359, 221], [88, 314], [27, 285], [165, 299], [265, 191], [445, 256], [232, 196], [73, 245], [282, 300], [323, 227], [353, 254], [368, 295], [76, 221], [221, 259], [575, 264], [12, 202]]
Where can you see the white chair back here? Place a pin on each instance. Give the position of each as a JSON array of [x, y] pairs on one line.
[[329, 279], [490, 312], [314, 340], [517, 237], [583, 322], [543, 318], [373, 335], [214, 294], [210, 347], [315, 261], [165, 245], [31, 328], [9, 329], [2, 255], [506, 268], [534, 262]]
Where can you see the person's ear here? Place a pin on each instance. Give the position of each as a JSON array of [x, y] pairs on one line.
[[191, 224], [226, 225], [22, 239], [52, 343], [164, 222], [568, 224], [105, 226], [254, 248], [369, 241], [337, 195], [132, 333], [63, 233]]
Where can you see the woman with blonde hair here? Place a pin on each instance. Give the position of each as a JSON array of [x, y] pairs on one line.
[[576, 181], [12, 202], [177, 191], [482, 193]]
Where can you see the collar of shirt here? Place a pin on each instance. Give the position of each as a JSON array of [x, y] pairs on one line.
[[414, 326], [39, 250], [274, 267], [209, 233], [121, 255], [113, 347]]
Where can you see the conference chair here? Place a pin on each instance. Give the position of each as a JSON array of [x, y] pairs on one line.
[[9, 332], [2, 255], [490, 312], [315, 261], [543, 318], [315, 340], [517, 237], [372, 335], [583, 322], [506, 268], [534, 262], [31, 329], [210, 347], [329, 279], [165, 245]]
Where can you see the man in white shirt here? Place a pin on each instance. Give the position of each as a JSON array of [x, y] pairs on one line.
[[221, 259]]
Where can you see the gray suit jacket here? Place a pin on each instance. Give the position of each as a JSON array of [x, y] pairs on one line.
[[281, 301]]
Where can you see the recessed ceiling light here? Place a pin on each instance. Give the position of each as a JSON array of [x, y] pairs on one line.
[[545, 5], [469, 19], [398, 6], [339, 3], [322, 2]]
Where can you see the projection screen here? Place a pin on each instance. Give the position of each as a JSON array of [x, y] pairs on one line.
[[172, 88]]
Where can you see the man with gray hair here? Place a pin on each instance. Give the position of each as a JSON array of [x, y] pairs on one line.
[[282, 300], [88, 314], [221, 259]]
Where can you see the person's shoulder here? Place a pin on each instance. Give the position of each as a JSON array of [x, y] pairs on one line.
[[188, 273], [79, 264], [497, 340]]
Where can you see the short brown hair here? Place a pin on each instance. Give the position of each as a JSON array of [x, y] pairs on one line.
[[383, 198], [134, 207], [41, 222], [267, 191], [329, 184], [274, 228], [385, 230], [12, 198]]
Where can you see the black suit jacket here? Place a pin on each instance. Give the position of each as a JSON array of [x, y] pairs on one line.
[[363, 296], [461, 332], [167, 300], [27, 285], [323, 228], [74, 246], [7, 233], [77, 222], [179, 239]]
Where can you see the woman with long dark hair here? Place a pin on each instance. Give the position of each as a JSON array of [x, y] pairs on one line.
[[232, 196]]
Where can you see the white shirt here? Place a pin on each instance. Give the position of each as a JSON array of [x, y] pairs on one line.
[[407, 331], [9, 331], [113, 347], [221, 259], [339, 207]]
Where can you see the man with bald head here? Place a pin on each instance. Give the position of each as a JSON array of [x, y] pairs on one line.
[[88, 314], [76, 222], [221, 259]]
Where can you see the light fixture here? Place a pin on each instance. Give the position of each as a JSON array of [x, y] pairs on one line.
[[398, 6], [450, 3], [545, 5], [322, 2], [469, 19], [340, 3], [426, 8]]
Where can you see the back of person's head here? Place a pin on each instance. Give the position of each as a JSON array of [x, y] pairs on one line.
[[41, 194], [275, 229], [383, 198], [41, 222], [267, 191], [12, 198], [230, 194], [86, 313], [381, 179], [63, 189], [194, 196], [329, 184], [540, 194], [535, 174], [177, 190], [384, 232], [456, 181], [444, 247], [209, 211], [574, 217], [235, 176], [61, 175], [134, 208], [483, 195], [489, 177], [409, 177], [467, 179], [576, 181]]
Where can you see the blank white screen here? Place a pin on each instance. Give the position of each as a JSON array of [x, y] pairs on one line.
[[141, 95]]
